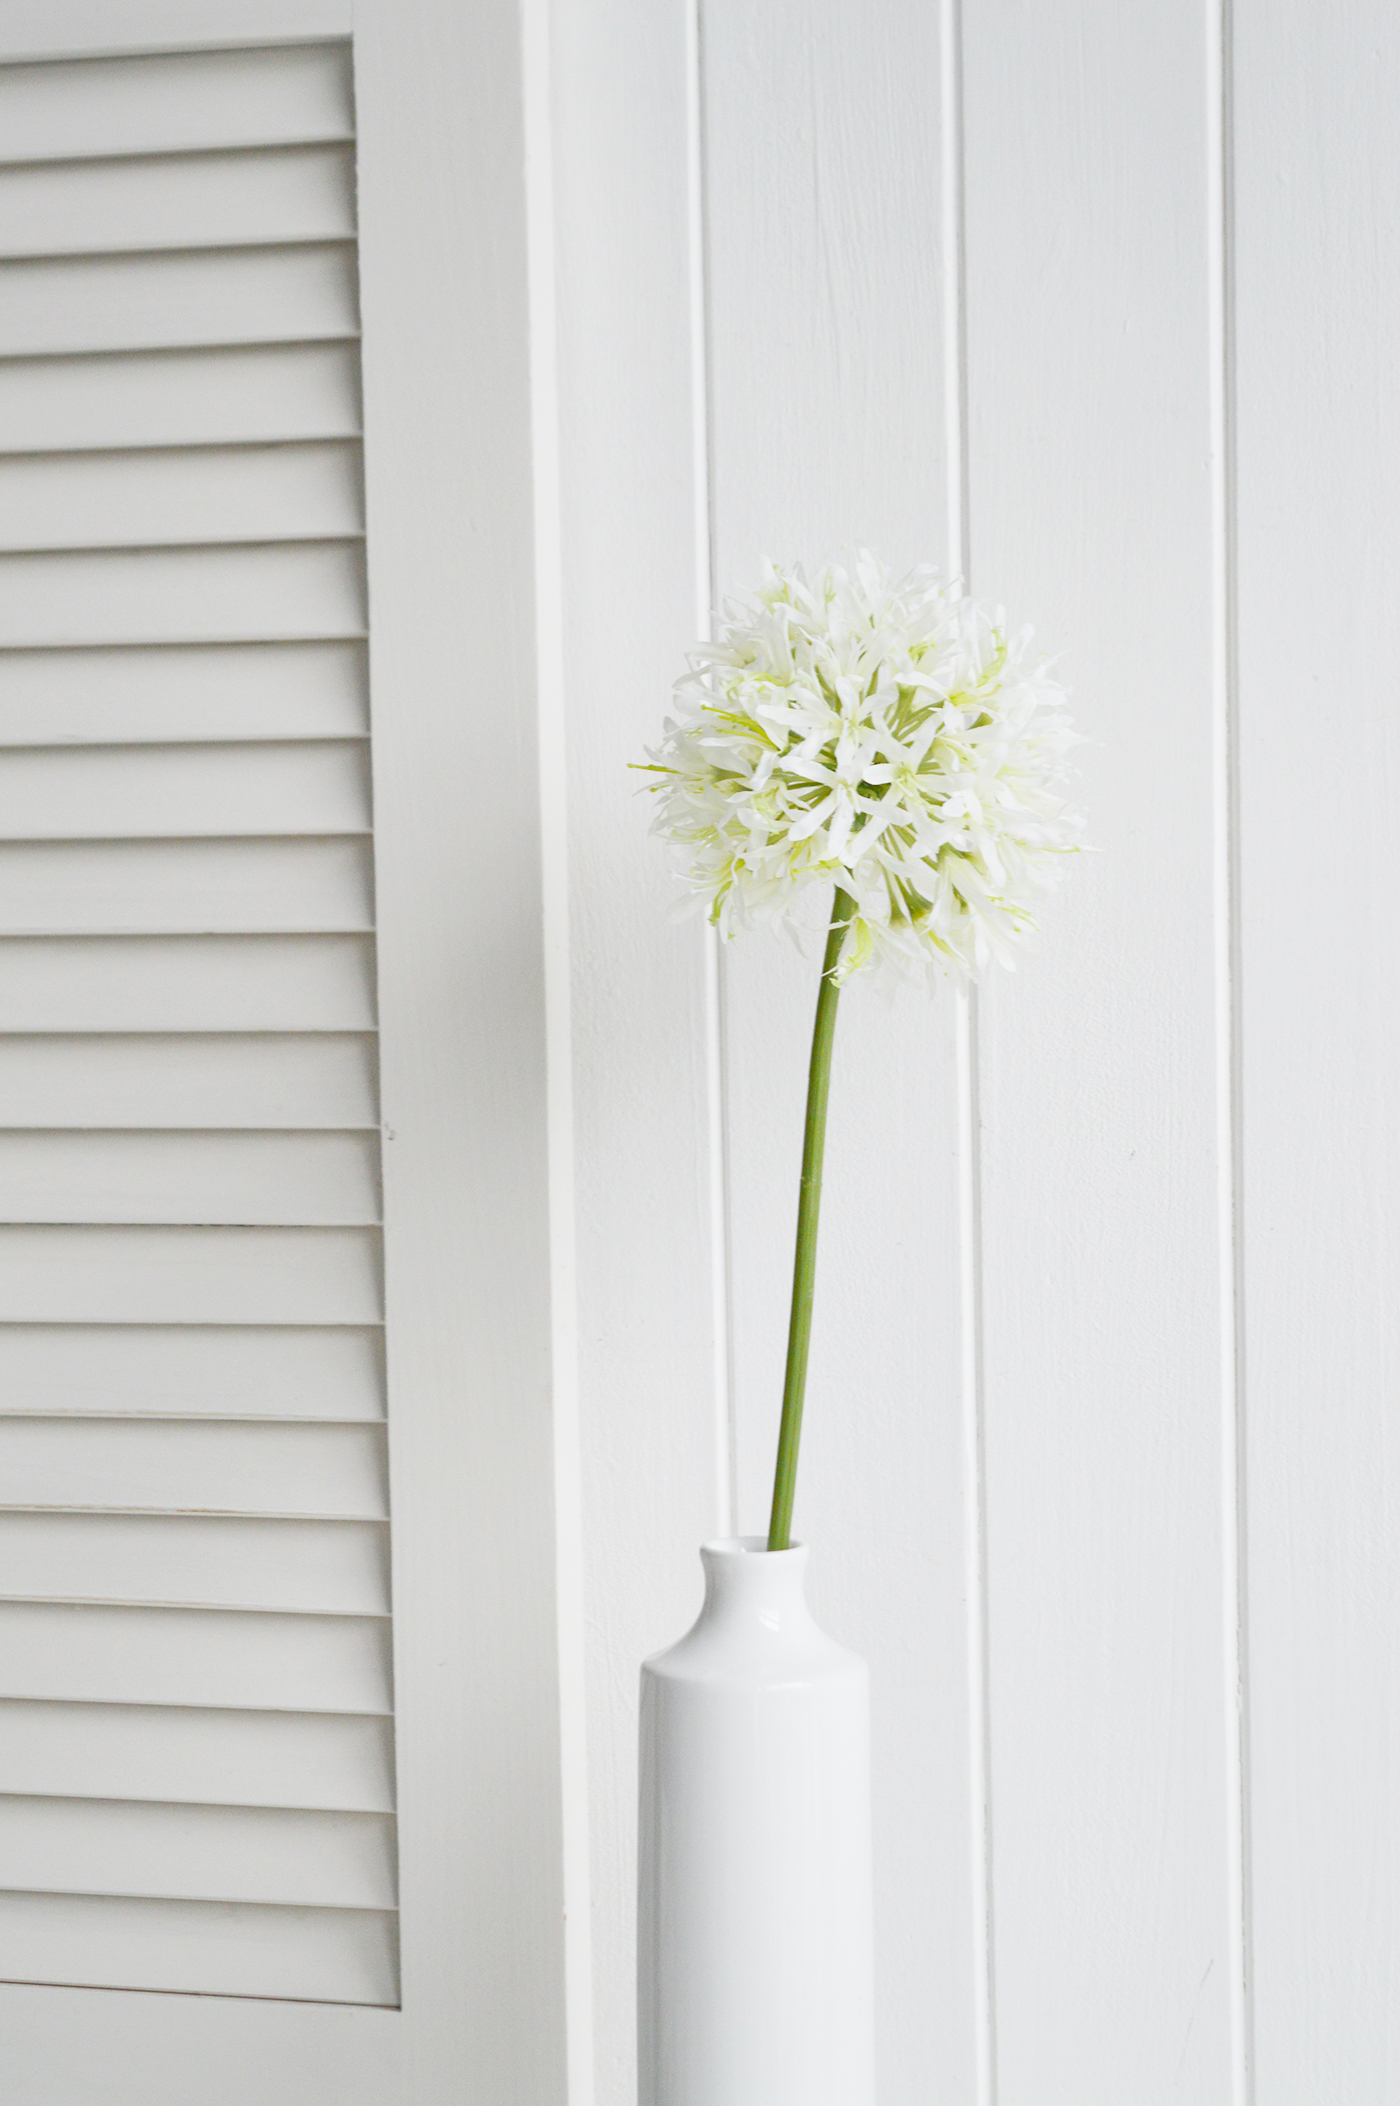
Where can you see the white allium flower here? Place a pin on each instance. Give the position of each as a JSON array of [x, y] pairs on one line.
[[889, 737]]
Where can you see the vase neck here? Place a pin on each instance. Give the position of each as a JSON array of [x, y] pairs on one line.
[[747, 1583]]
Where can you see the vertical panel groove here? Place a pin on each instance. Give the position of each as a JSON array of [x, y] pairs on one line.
[[969, 1109], [1219, 88], [955, 290], [726, 1431], [975, 1509], [717, 1121]]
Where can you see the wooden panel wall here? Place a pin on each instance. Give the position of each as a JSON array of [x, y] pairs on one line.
[[800, 266], [1088, 144], [1317, 262], [1097, 301]]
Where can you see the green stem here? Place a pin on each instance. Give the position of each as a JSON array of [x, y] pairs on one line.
[[804, 1271]]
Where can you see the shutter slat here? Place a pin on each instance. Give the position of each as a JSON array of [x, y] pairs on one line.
[[197, 1853], [106, 793], [101, 1653], [191, 297], [202, 1466], [180, 398], [203, 595], [173, 983], [306, 1372], [194, 495], [333, 1568], [163, 104], [159, 887], [208, 1758], [221, 1178], [199, 1081], [86, 208], [189, 1275], [200, 1948], [211, 691]]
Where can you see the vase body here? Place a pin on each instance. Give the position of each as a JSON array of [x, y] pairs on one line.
[[755, 1942]]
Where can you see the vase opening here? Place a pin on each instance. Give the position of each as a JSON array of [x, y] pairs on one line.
[[748, 1546]]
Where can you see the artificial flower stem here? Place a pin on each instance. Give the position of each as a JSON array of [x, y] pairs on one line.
[[804, 1271]]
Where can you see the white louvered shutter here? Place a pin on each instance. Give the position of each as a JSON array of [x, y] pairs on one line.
[[197, 1738], [196, 1749]]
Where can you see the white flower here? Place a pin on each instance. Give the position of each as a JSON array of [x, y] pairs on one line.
[[889, 737]]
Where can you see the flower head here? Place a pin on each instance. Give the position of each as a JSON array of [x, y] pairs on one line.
[[888, 736]]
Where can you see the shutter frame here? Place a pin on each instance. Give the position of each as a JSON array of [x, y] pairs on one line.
[[472, 1461]]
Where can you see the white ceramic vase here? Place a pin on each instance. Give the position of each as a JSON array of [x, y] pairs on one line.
[[755, 1950]]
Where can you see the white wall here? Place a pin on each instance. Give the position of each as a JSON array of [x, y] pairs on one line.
[[1090, 300]]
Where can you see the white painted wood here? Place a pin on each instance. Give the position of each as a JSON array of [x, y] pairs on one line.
[[651, 1367], [299, 1373], [335, 2046], [1090, 254], [1089, 399], [233, 1178], [155, 886], [36, 30], [332, 1568], [1316, 186], [111, 792], [199, 1948], [1089, 383], [206, 885], [172, 102], [452, 651], [183, 595], [143, 303], [135, 500], [142, 1751], [196, 1853], [826, 275], [108, 839], [63, 1532], [206, 1467], [245, 1178], [201, 201], [206, 691], [454, 2033], [177, 983], [189, 1275], [95, 1653], [232, 1081], [180, 398]]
